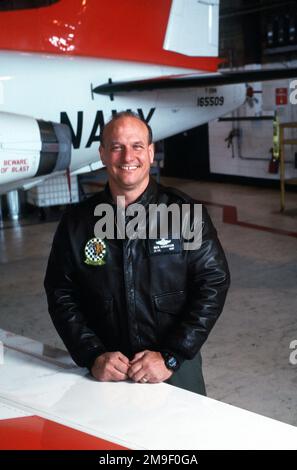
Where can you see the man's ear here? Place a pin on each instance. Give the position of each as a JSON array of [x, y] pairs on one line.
[[151, 150], [101, 153]]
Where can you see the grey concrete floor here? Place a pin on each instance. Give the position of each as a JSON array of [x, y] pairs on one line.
[[246, 358]]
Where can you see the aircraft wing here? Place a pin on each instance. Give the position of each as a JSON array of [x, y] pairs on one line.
[[47, 402], [196, 80]]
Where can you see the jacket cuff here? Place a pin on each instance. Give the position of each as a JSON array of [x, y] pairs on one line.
[[178, 356], [92, 358]]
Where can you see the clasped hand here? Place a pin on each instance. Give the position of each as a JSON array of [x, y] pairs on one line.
[[145, 367]]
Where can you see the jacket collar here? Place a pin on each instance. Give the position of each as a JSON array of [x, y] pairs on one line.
[[149, 195]]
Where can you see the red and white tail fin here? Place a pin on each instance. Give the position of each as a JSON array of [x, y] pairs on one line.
[[193, 28], [126, 30]]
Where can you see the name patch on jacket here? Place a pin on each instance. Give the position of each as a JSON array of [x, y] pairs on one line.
[[164, 246]]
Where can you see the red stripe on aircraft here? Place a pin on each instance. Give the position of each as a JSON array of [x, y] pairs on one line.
[[116, 29], [36, 433]]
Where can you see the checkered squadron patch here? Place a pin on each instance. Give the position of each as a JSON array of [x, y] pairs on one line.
[[95, 251]]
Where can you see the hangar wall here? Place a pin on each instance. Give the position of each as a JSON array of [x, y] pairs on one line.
[[248, 153]]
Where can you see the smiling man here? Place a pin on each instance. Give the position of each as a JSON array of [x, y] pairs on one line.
[[132, 308], [128, 152]]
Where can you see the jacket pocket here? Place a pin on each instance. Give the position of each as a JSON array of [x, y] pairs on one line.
[[168, 308], [103, 321], [108, 317], [172, 302], [107, 306]]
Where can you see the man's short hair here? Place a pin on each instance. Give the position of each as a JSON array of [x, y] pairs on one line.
[[122, 114]]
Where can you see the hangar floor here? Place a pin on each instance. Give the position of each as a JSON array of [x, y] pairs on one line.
[[246, 358]]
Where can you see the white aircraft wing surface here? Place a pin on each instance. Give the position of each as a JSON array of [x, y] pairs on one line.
[[46, 402]]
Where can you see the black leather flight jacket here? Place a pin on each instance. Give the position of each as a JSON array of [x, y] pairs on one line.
[[138, 299]]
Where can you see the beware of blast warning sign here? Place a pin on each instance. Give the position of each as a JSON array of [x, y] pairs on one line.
[[14, 166]]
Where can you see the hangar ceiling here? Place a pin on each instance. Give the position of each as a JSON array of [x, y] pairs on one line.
[[257, 31]]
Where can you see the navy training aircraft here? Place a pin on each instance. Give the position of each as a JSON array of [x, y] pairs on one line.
[[67, 65]]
